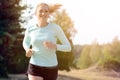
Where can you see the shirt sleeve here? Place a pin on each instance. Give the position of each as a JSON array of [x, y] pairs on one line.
[[26, 40], [65, 46]]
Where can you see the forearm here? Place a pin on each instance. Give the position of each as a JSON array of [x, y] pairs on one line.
[[64, 47]]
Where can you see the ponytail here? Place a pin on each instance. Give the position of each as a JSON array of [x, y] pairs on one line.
[[53, 8]]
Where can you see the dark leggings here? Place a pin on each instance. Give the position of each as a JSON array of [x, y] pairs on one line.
[[48, 73]]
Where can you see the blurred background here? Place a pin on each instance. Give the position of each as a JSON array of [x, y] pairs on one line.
[[92, 27]]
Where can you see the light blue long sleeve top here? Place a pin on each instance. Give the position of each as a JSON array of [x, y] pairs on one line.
[[35, 36]]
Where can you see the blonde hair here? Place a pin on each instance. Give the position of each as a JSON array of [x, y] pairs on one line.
[[52, 8]]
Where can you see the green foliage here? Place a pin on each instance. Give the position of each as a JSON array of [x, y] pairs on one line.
[[84, 60], [17, 59], [95, 53], [115, 49], [77, 49], [3, 70], [105, 56], [90, 55], [62, 18], [10, 13], [64, 60], [111, 56]]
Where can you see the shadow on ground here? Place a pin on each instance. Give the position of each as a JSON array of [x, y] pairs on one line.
[[64, 77], [23, 77]]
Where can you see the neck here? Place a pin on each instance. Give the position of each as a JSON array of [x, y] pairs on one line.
[[42, 23]]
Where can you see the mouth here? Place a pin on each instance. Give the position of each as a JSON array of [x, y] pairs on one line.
[[42, 16]]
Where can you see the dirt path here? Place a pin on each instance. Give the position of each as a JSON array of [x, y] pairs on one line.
[[91, 75]]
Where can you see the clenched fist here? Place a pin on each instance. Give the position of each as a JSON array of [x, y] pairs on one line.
[[29, 53], [49, 45]]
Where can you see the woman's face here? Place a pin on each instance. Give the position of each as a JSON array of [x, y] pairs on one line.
[[42, 12]]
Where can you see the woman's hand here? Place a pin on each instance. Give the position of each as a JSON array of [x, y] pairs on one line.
[[49, 45], [29, 53]]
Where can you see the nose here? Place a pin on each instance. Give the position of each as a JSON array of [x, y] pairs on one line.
[[43, 13]]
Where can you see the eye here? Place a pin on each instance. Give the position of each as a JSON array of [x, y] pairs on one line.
[[40, 10], [46, 11]]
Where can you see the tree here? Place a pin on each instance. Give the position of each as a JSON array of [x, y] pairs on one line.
[[65, 59], [10, 13], [95, 53], [84, 61]]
